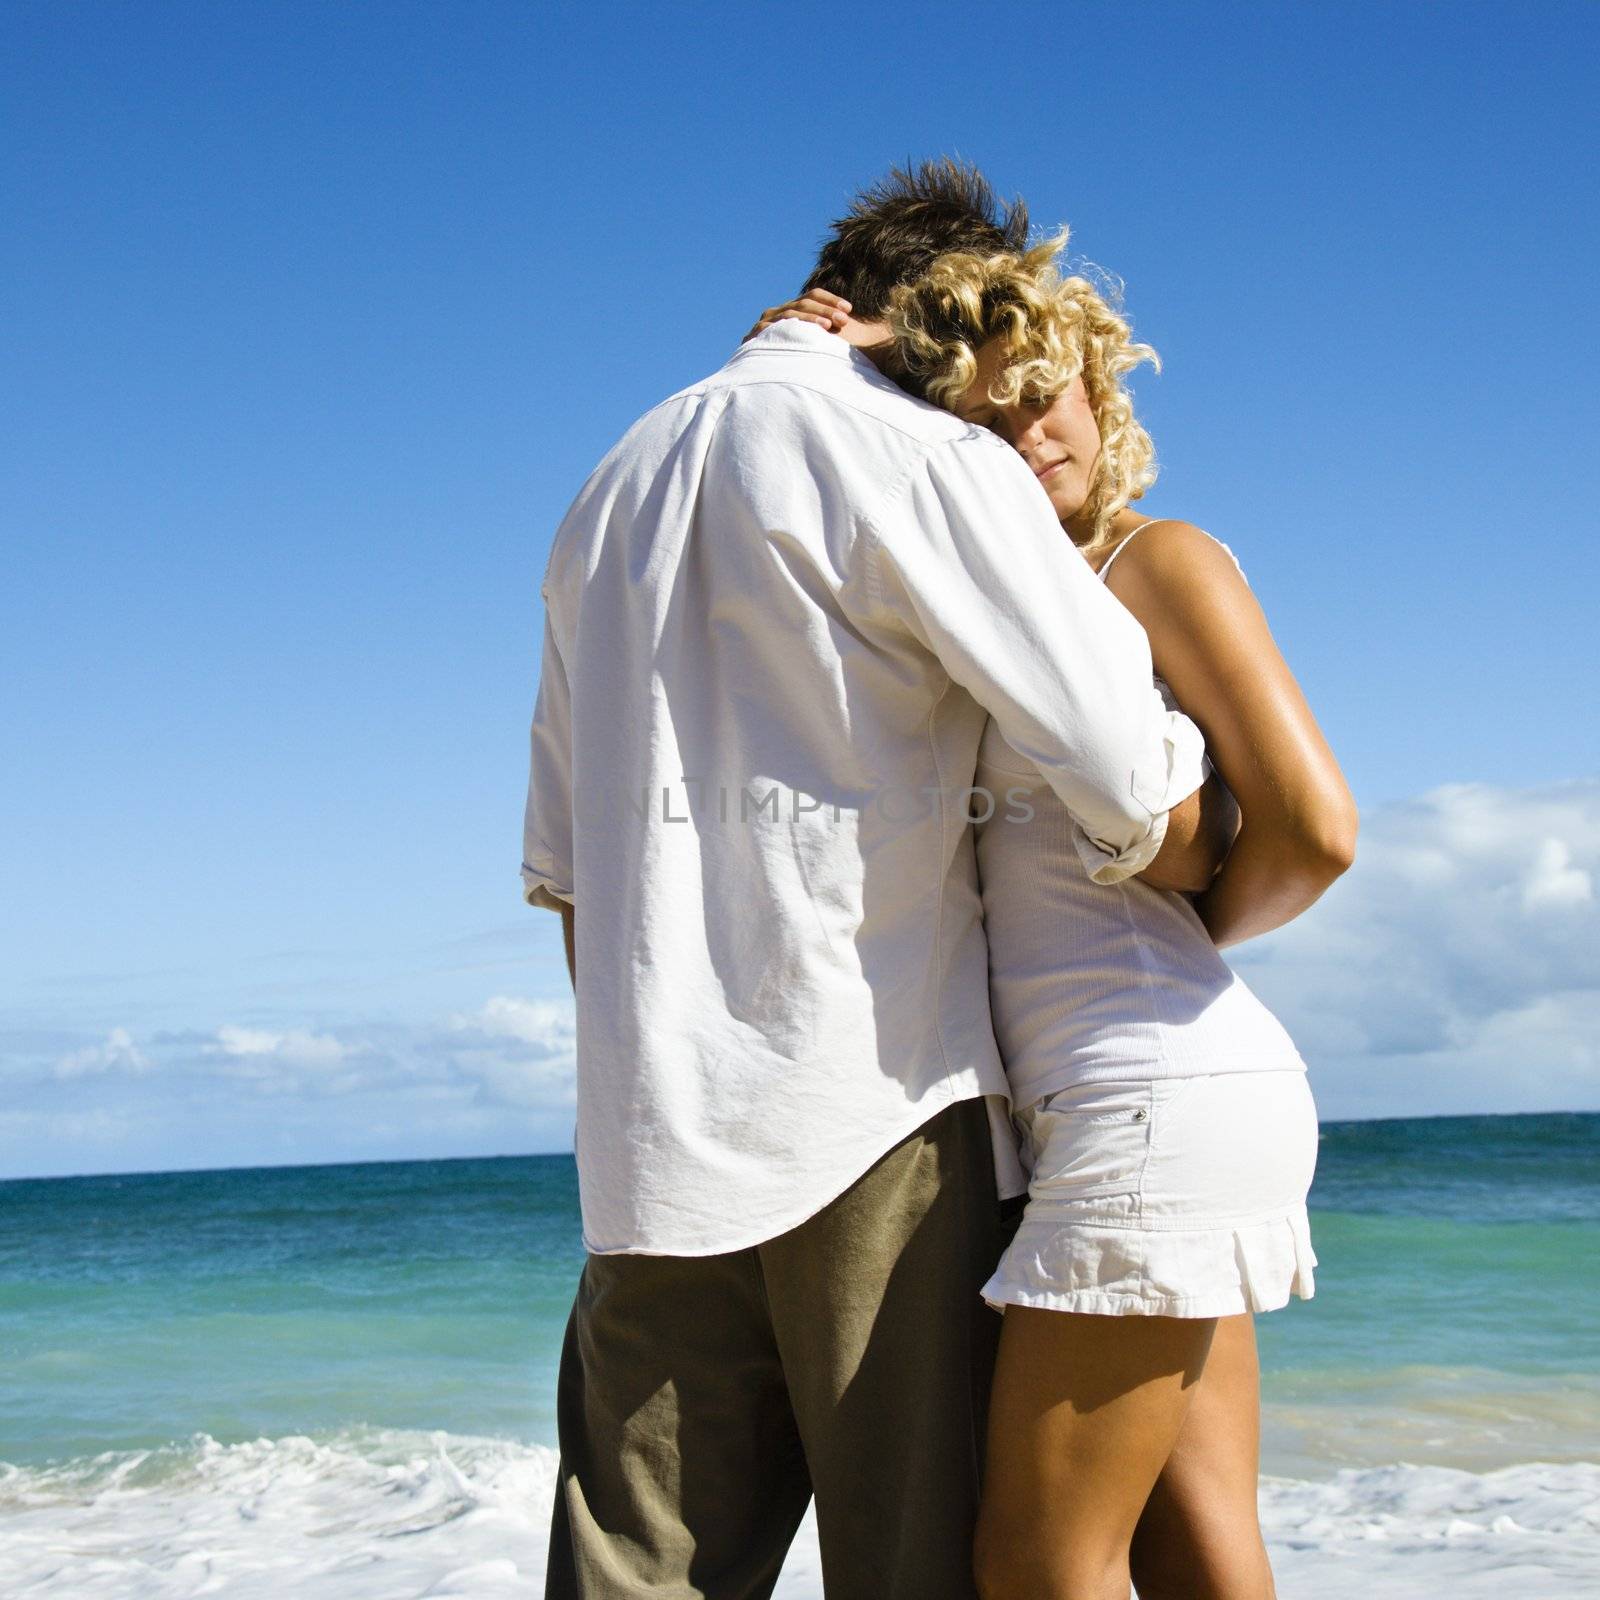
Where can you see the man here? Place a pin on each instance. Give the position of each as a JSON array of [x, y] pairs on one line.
[[776, 617]]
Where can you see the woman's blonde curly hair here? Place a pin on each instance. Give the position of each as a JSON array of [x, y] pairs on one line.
[[1055, 327]]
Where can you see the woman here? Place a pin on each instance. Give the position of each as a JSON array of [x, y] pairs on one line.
[[1164, 1112]]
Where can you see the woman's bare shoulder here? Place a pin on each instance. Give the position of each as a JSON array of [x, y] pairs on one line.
[[1176, 574]]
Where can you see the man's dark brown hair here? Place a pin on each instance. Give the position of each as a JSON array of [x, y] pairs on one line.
[[897, 228]]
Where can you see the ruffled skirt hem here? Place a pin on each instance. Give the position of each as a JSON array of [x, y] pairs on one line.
[[1116, 1268]]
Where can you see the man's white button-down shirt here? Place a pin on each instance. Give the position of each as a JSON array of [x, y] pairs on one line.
[[776, 617]]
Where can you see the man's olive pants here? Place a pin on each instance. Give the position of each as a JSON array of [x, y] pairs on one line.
[[704, 1399]]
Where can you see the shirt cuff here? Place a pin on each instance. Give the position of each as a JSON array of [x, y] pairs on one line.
[[544, 889], [1111, 866], [1188, 766]]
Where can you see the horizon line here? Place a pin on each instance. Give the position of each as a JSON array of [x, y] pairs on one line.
[[536, 1155]]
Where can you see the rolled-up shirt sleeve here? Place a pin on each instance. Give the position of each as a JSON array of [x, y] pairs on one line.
[[968, 556], [1188, 768], [547, 820]]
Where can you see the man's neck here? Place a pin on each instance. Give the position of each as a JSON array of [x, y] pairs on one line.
[[872, 339]]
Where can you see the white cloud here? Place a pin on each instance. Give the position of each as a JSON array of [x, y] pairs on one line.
[[495, 1080], [513, 1051], [1554, 882], [548, 1025], [295, 1048], [117, 1053], [519, 1052], [1456, 966], [290, 1061]]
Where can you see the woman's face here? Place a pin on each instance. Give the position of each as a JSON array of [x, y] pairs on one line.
[[1059, 439]]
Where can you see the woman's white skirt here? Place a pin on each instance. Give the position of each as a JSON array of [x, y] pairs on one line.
[[1172, 1197]]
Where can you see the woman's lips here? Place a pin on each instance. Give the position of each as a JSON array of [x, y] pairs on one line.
[[1043, 473]]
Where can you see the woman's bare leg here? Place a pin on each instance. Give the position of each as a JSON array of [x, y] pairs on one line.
[[1084, 1413], [1199, 1537]]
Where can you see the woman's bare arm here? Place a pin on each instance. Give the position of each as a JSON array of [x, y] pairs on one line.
[[1210, 641], [1200, 833]]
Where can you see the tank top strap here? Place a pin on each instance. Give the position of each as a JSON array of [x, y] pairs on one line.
[[1128, 537]]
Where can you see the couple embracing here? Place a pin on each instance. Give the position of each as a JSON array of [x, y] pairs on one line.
[[932, 1160]]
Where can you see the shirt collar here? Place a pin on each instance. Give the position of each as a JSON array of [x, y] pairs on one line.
[[792, 335]]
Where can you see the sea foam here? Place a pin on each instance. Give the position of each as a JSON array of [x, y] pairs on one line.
[[389, 1514]]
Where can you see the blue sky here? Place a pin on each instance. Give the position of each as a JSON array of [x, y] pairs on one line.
[[317, 317]]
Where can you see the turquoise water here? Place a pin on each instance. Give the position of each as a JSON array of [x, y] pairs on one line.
[[1451, 1240], [1457, 1297], [265, 1301]]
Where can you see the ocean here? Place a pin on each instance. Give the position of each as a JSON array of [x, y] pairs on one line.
[[337, 1381]]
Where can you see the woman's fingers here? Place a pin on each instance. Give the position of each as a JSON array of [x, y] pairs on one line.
[[825, 301], [833, 309], [811, 308], [818, 306]]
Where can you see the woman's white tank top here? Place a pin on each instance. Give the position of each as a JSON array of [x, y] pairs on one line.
[[1100, 982]]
